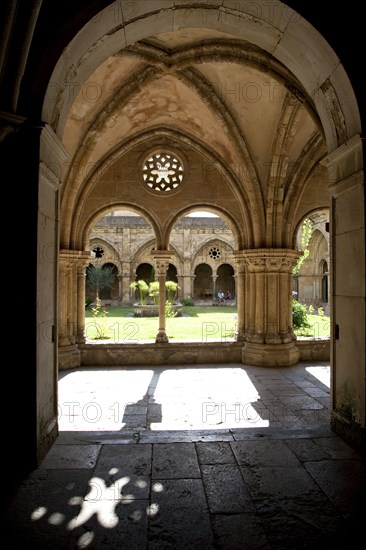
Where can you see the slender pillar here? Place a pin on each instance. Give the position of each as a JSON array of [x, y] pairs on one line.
[[214, 277], [81, 277], [240, 294], [64, 340], [162, 259], [72, 296], [120, 287], [267, 331]]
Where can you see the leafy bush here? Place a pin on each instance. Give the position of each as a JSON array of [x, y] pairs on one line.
[[154, 291], [171, 290], [142, 289], [187, 301], [88, 301], [169, 310], [299, 315]]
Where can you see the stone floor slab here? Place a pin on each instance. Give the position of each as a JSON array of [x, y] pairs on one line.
[[344, 482], [215, 453], [174, 461], [225, 489], [178, 516], [239, 532], [126, 460], [42, 507], [71, 456], [264, 453], [110, 525]]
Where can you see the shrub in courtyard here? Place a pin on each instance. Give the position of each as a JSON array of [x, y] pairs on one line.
[[299, 315]]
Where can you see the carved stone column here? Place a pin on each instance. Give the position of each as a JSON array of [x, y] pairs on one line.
[[268, 334], [180, 279], [72, 297], [82, 262], [65, 266], [162, 259], [120, 287], [214, 278], [239, 260]]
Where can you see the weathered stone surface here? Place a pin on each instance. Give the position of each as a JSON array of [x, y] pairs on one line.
[[215, 453], [178, 515], [174, 461], [225, 489], [71, 456], [260, 453]]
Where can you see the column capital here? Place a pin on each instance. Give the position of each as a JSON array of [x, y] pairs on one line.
[[71, 257], [162, 259], [270, 260]]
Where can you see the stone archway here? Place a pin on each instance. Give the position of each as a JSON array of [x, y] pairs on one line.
[[265, 269], [292, 45]]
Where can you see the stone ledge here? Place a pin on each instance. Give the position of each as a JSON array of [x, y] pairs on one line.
[[314, 349], [178, 353], [183, 353]]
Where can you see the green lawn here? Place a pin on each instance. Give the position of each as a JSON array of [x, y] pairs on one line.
[[197, 323], [320, 327], [201, 324]]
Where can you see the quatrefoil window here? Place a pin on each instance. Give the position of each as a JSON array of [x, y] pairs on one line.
[[99, 252], [162, 172]]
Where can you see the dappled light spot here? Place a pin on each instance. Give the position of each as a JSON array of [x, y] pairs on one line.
[[75, 501], [140, 483], [56, 518], [152, 510], [101, 502], [85, 539], [38, 513], [157, 487], [136, 515]]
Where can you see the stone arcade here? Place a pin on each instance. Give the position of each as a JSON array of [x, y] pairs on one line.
[[168, 107]]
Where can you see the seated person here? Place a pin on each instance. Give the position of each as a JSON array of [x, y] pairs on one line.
[[228, 295]]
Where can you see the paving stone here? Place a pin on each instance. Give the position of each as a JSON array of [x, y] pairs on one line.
[[291, 421], [124, 461], [338, 449], [42, 508], [307, 449], [175, 461], [239, 532], [111, 525], [314, 416], [225, 489], [344, 482], [185, 436], [179, 517], [279, 483], [264, 453], [316, 392], [297, 402], [289, 389], [325, 401], [289, 529], [71, 456], [215, 453]]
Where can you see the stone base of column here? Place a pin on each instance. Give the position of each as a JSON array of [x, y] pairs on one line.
[[270, 355], [161, 337], [68, 357], [240, 335]]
